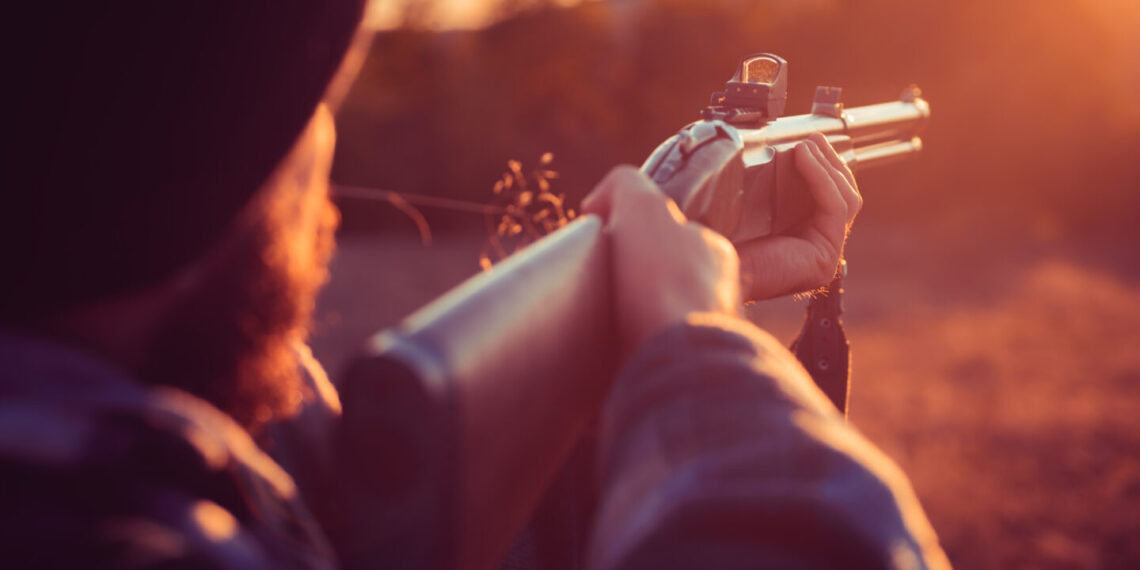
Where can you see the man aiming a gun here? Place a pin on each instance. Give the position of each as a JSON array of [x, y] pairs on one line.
[[170, 228]]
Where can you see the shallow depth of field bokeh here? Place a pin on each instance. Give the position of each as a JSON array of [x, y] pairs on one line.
[[994, 298]]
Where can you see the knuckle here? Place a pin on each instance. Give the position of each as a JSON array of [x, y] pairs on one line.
[[630, 175], [694, 232], [625, 170], [841, 209], [644, 209], [643, 201], [619, 176], [825, 268], [673, 210], [719, 244]]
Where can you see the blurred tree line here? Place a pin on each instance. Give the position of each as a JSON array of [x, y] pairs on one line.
[[1035, 130]]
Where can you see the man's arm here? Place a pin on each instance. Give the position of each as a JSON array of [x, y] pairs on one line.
[[718, 450], [663, 270], [721, 453], [378, 471]]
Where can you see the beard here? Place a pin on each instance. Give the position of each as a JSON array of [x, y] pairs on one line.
[[232, 341]]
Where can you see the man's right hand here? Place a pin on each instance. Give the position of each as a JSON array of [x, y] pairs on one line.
[[666, 268]]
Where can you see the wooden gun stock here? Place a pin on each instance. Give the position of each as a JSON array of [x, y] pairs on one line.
[[528, 349]]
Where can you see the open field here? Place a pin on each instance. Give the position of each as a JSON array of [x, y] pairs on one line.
[[1006, 384], [996, 339]]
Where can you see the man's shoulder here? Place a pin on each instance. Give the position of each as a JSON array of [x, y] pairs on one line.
[[126, 475]]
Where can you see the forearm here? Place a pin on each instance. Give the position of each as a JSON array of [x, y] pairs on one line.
[[717, 445], [426, 474]]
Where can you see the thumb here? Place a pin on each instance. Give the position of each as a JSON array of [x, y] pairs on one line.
[[620, 185]]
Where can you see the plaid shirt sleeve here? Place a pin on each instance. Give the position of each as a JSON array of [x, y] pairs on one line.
[[719, 452], [140, 481]]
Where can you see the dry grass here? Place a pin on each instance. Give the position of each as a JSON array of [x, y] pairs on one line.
[[1008, 388], [1018, 418], [526, 209]]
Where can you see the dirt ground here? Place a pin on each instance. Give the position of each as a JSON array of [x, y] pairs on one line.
[[1006, 386]]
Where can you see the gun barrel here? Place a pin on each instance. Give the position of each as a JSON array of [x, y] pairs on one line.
[[866, 136], [898, 120], [884, 153], [774, 197]]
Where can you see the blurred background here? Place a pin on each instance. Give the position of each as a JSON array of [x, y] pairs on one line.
[[994, 297]]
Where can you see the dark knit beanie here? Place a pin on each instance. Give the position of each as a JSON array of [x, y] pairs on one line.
[[137, 129]]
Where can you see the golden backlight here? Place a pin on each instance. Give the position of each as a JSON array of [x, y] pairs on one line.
[[444, 14], [992, 299]]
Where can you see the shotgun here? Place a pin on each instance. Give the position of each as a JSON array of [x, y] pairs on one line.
[[525, 351]]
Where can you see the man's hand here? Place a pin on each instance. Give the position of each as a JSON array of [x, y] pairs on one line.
[[783, 264], [665, 267]]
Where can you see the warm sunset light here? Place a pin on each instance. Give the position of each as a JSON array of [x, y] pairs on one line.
[[442, 14], [987, 358], [571, 284]]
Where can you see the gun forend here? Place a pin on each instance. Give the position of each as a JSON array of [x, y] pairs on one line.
[[865, 136], [776, 199]]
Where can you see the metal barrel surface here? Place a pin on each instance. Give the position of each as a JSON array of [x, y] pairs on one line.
[[866, 136]]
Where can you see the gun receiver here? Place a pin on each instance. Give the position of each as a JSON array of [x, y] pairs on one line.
[[733, 171], [519, 349]]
